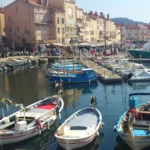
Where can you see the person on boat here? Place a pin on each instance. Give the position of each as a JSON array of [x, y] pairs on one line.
[[134, 113]]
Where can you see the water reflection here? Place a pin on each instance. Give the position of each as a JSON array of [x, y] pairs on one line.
[[94, 145], [120, 144], [40, 142], [86, 87], [140, 85], [25, 86]]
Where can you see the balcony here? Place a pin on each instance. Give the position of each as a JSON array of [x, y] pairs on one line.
[[81, 34], [73, 25], [43, 22], [71, 1]]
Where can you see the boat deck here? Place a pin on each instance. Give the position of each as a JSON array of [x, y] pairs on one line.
[[85, 120], [38, 111]]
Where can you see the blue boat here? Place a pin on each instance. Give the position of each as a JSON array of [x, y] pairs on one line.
[[134, 125], [67, 61], [86, 75], [57, 66]]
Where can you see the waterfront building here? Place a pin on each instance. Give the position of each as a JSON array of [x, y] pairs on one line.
[[148, 31], [135, 32], [2, 23], [143, 33], [30, 23], [39, 22], [69, 8]]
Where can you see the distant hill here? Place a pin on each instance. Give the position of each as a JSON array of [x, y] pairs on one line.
[[126, 21]]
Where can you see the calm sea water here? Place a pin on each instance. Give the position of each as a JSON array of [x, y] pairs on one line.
[[28, 85]]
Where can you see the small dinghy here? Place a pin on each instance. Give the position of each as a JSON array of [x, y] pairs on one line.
[[79, 129], [134, 125], [30, 121]]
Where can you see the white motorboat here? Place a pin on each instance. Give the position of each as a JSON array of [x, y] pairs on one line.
[[79, 129], [141, 76], [30, 121]]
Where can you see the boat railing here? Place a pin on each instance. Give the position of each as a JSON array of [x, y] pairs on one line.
[[133, 94]]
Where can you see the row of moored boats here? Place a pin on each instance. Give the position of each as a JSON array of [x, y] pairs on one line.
[[79, 129]]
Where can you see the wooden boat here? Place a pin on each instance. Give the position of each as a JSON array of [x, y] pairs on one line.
[[67, 61], [79, 129], [134, 125], [85, 76], [30, 121], [58, 66]]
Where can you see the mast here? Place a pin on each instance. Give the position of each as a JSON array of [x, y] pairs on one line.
[[104, 34], [71, 42]]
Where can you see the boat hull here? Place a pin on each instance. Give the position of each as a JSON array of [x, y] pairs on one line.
[[136, 143], [73, 79], [24, 135], [139, 53], [76, 143]]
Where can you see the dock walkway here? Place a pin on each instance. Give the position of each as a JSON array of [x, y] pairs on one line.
[[104, 74]]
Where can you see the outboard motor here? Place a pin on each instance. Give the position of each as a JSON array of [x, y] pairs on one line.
[[130, 75], [127, 77]]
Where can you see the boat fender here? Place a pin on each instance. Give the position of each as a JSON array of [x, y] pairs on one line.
[[39, 131], [48, 125], [115, 128], [89, 81], [101, 125], [39, 126], [59, 116]]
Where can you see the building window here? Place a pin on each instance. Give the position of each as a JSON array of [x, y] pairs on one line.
[[10, 29], [58, 30], [9, 19], [62, 30], [58, 20], [70, 12], [37, 28], [18, 29], [62, 20], [44, 30]]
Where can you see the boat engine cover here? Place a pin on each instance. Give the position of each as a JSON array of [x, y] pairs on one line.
[[20, 126]]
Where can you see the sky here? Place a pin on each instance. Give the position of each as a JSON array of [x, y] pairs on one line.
[[137, 10]]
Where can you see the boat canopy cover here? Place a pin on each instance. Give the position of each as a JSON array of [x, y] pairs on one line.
[[147, 46], [144, 74]]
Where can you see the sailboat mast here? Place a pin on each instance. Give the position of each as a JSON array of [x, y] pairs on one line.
[[104, 34], [72, 49]]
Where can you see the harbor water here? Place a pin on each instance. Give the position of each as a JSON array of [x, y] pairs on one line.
[[27, 85]]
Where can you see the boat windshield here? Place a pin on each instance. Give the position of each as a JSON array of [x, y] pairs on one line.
[[78, 128]]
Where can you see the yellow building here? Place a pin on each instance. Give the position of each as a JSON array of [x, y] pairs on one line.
[[60, 27], [69, 7], [2, 24]]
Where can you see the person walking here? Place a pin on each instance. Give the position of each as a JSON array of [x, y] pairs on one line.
[[34, 51], [39, 49]]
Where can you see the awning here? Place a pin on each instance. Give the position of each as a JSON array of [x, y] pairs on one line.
[[49, 41]]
